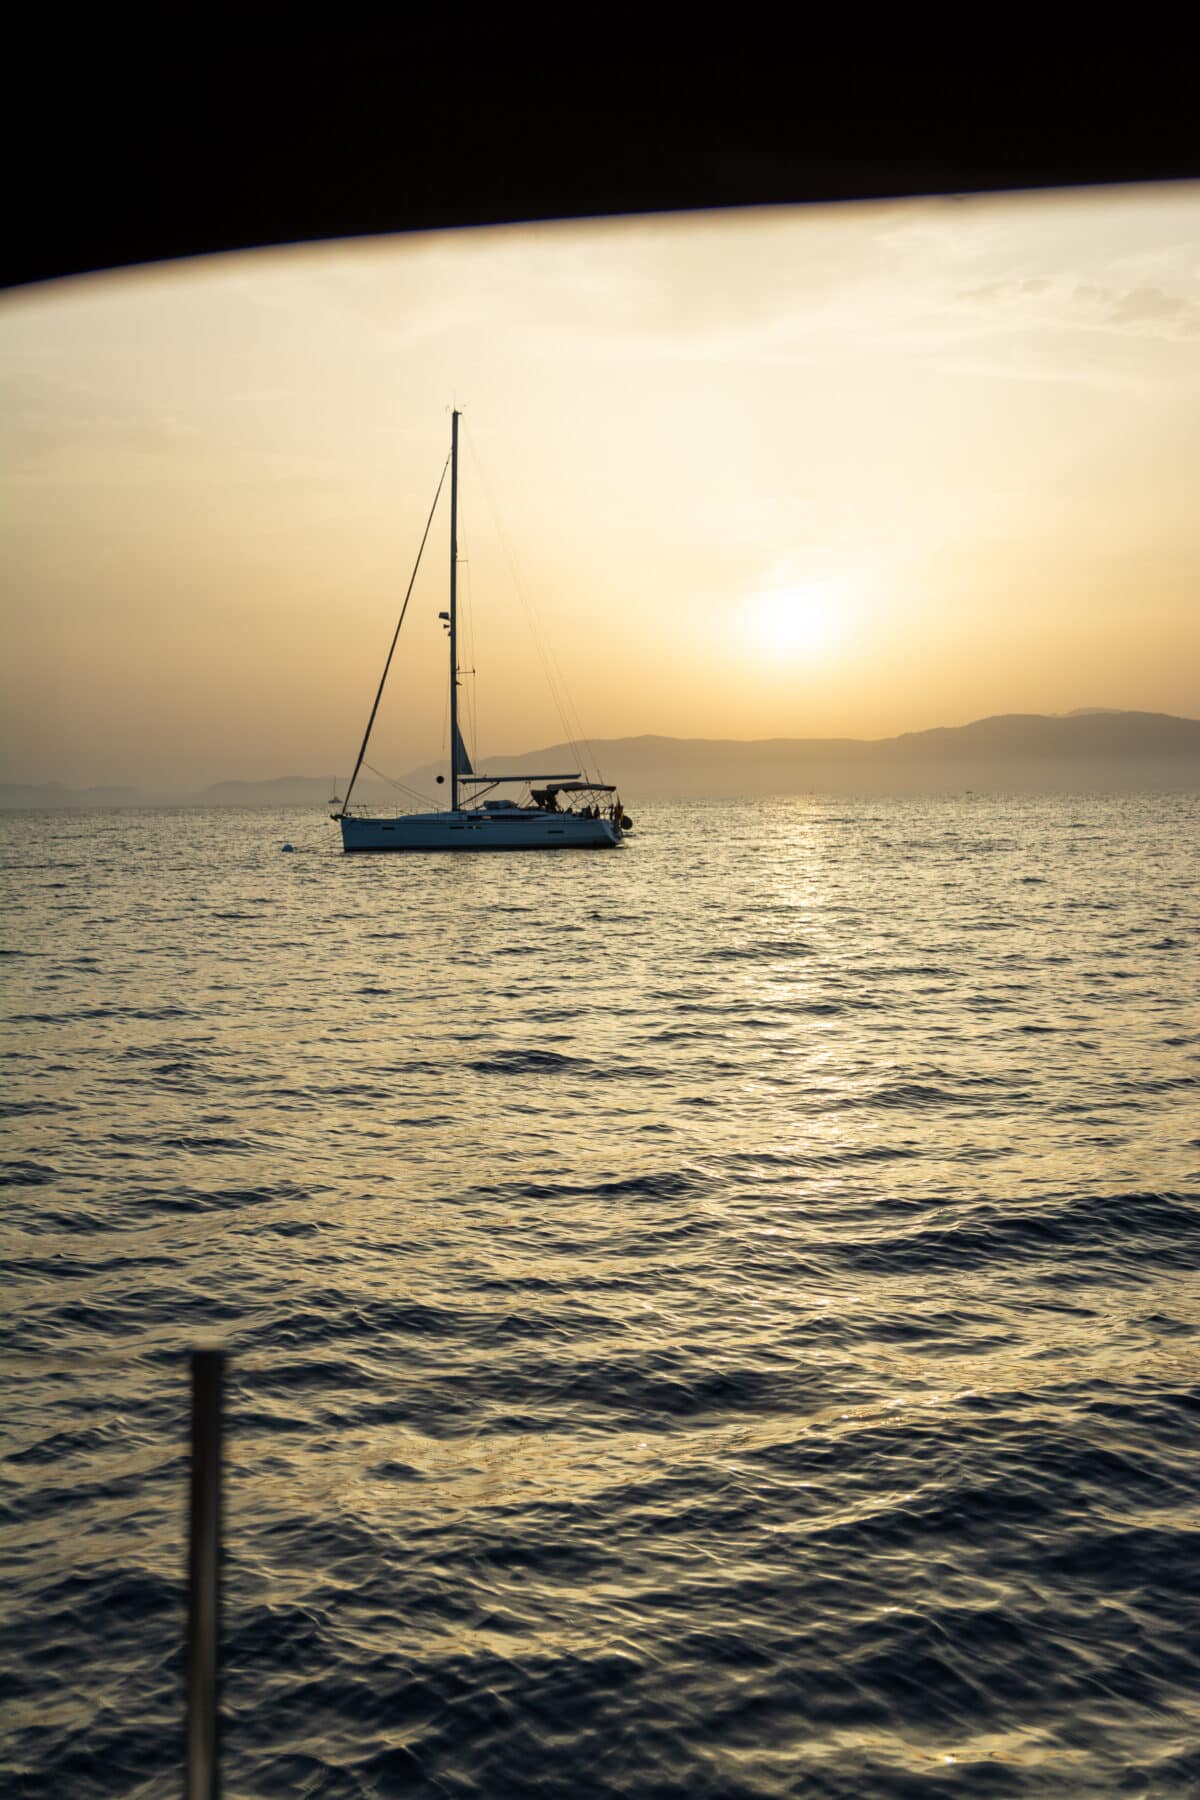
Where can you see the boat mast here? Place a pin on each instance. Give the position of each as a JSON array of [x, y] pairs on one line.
[[454, 612]]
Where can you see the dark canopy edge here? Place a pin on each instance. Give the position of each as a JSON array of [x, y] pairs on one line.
[[139, 135]]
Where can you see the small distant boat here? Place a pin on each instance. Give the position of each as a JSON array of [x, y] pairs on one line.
[[558, 812]]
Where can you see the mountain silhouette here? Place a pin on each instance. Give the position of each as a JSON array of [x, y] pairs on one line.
[[1091, 749]]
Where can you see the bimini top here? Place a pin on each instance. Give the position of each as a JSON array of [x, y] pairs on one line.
[[562, 780], [573, 787]]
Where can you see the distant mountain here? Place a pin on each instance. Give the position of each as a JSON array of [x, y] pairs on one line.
[[19, 796], [1026, 752], [289, 790], [1092, 749], [1086, 733], [286, 790]]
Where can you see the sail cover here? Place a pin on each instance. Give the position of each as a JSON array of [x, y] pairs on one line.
[[462, 761]]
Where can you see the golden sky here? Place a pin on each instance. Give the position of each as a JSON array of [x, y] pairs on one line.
[[825, 471]]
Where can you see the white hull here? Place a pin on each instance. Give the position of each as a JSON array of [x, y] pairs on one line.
[[513, 829]]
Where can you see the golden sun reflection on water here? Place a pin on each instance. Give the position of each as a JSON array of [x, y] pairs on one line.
[[747, 1280]]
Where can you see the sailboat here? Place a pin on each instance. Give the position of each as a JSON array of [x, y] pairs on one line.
[[556, 812]]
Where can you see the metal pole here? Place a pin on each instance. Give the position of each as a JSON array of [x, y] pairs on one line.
[[204, 1577]]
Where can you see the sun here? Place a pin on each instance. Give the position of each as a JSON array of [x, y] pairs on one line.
[[799, 620]]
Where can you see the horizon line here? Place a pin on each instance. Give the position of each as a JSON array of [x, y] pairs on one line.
[[201, 787]]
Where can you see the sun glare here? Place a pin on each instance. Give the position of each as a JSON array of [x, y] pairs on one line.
[[795, 621]]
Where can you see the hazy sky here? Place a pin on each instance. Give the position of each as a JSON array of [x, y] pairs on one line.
[[845, 470]]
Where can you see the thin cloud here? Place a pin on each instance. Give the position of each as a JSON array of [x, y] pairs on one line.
[[1151, 309], [1139, 311]]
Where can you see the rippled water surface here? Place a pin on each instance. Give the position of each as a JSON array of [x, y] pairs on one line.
[[717, 1318]]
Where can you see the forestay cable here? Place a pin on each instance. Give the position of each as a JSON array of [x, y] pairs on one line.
[[395, 635]]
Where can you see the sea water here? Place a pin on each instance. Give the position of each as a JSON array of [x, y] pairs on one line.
[[713, 1318]]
